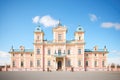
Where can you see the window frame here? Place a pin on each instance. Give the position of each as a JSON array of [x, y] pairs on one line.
[[31, 63], [59, 37], [49, 51], [38, 51], [79, 51], [87, 63], [49, 62], [22, 63], [13, 63], [69, 52], [95, 63], [79, 62], [38, 62], [103, 63], [69, 63], [59, 51]]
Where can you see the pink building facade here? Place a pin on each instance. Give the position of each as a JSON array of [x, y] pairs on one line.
[[58, 54]]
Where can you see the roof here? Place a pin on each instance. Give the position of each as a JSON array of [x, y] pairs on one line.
[[91, 50], [80, 29], [25, 50], [38, 29]]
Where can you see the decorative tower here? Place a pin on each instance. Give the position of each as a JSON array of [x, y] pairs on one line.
[[38, 48], [38, 35], [80, 44], [79, 34], [59, 33]]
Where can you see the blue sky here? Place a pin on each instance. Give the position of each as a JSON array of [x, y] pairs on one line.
[[99, 18]]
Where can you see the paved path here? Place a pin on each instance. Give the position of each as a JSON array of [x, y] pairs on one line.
[[59, 75]]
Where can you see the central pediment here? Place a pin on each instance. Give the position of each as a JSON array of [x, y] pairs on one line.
[[60, 28]]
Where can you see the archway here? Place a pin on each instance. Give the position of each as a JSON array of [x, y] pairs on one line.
[[59, 65]]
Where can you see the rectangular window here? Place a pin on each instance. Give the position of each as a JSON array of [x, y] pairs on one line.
[[79, 63], [103, 54], [68, 63], [55, 51], [21, 54], [86, 63], [79, 38], [59, 52], [59, 37], [13, 63], [95, 63], [38, 51], [48, 52], [48, 63], [95, 54], [31, 64], [38, 63], [79, 51], [87, 55], [103, 63], [64, 51], [22, 63], [37, 37], [68, 52]]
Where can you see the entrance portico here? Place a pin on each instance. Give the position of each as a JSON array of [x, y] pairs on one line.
[[60, 63]]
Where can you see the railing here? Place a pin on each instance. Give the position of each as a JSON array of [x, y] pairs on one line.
[[59, 54]]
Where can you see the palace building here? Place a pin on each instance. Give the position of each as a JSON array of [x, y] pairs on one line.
[[58, 54]]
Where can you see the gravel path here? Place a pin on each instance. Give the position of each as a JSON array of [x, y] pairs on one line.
[[59, 75]]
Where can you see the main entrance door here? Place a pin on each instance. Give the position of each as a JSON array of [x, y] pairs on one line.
[[59, 65]]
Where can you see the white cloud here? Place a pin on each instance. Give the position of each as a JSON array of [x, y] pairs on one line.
[[114, 57], [46, 21], [93, 17], [110, 25], [4, 58], [36, 19]]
